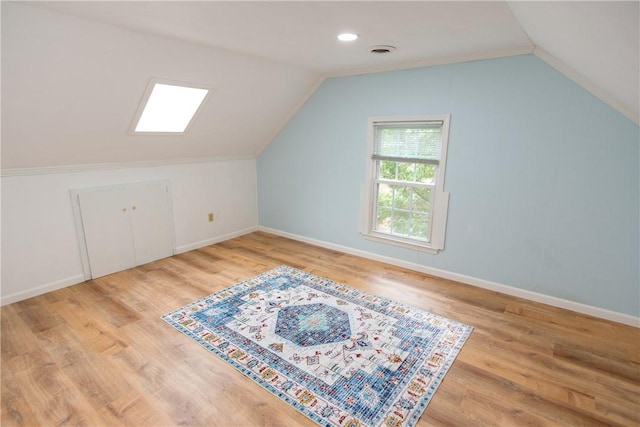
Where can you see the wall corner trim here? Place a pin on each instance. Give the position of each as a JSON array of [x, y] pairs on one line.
[[468, 280]]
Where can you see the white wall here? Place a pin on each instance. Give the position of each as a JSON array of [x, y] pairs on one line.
[[40, 250]]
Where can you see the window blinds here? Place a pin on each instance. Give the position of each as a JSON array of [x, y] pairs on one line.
[[419, 142]]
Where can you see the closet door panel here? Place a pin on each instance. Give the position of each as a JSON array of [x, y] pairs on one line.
[[107, 231], [151, 221]]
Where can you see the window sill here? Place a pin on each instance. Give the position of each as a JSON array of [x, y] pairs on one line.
[[391, 240]]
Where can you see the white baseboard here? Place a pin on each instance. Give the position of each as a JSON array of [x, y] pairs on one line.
[[481, 283], [474, 281], [49, 287], [74, 280], [214, 240]]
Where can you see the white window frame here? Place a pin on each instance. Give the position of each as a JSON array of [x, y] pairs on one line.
[[439, 199]]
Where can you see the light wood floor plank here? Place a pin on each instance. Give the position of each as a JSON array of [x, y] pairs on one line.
[[99, 354]]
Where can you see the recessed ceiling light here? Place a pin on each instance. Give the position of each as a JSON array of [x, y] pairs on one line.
[[347, 37]]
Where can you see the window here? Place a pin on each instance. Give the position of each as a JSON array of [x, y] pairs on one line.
[[405, 203], [168, 107]]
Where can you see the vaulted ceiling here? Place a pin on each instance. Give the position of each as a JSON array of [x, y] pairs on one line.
[[73, 73]]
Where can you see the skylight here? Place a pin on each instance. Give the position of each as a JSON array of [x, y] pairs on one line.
[[168, 107]]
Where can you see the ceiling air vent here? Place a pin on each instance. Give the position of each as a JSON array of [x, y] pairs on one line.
[[382, 49]]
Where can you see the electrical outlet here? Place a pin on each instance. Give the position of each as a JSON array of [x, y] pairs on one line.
[[210, 216]]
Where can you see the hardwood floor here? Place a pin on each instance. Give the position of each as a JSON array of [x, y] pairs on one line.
[[98, 353]]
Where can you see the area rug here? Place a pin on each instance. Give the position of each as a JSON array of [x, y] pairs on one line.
[[341, 356]]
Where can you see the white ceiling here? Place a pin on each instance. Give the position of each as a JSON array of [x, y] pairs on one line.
[[73, 72], [303, 33]]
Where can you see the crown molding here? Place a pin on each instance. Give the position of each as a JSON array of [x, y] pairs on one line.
[[120, 165], [525, 50], [502, 53], [586, 84]]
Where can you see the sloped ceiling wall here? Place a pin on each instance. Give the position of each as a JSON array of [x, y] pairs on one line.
[[599, 41], [73, 73], [70, 88]]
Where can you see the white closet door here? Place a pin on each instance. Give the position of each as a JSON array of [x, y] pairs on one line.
[[151, 221], [107, 231]]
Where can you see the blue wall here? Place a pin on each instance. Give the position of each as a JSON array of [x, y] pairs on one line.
[[544, 177]]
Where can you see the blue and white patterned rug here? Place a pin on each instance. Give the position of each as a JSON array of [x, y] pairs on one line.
[[341, 356]]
